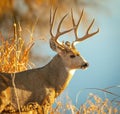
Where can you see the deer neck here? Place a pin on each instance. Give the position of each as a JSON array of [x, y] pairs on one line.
[[59, 74]]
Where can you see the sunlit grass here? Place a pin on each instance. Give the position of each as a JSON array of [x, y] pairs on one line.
[[93, 105], [14, 53]]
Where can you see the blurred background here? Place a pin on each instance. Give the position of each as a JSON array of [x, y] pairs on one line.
[[102, 51]]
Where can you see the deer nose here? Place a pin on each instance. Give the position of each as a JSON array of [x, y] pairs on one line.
[[84, 66]]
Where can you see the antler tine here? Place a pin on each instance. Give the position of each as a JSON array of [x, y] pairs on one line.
[[76, 25], [52, 21], [58, 30]]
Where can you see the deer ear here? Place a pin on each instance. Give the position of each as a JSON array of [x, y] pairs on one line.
[[61, 52], [55, 47]]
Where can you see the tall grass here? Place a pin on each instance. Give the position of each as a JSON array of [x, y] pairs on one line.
[[94, 104], [14, 52]]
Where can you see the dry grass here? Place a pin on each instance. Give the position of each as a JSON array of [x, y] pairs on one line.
[[14, 53], [93, 105], [97, 105]]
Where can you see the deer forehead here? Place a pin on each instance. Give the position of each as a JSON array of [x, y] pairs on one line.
[[75, 51], [71, 50]]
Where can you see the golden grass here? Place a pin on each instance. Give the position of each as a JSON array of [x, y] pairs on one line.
[[14, 53], [97, 105], [93, 105]]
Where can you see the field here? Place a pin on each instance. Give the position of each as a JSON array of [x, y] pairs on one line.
[[14, 57]]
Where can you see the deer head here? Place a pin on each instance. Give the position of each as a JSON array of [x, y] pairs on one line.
[[70, 55]]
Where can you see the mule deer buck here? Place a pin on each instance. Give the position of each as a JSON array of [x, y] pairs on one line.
[[44, 84]]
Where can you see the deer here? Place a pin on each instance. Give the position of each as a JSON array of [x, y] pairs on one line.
[[44, 84]]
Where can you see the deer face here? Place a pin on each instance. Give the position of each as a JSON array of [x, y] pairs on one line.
[[72, 58], [74, 61]]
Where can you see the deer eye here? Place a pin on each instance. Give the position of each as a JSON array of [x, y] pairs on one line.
[[72, 56]]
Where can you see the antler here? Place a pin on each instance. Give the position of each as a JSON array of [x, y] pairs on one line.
[[87, 35], [54, 38]]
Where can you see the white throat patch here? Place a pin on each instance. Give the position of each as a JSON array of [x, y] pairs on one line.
[[71, 72]]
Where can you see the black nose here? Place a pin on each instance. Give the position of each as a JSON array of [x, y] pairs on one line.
[[85, 65]]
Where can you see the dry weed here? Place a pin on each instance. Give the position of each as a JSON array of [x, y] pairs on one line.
[[96, 105], [14, 53], [93, 105]]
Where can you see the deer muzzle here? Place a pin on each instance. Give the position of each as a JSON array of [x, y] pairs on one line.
[[84, 66]]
